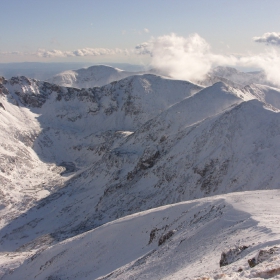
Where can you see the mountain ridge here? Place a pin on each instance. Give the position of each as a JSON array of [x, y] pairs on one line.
[[74, 159]]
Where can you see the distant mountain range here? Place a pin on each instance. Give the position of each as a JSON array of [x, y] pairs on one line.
[[43, 71], [231, 75], [87, 148]]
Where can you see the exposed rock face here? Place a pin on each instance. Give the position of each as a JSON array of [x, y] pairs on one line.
[[262, 256], [232, 255], [165, 237]]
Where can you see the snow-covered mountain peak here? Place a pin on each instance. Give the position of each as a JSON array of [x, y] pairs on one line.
[[220, 91], [267, 94], [103, 67], [93, 76], [224, 71], [233, 77]]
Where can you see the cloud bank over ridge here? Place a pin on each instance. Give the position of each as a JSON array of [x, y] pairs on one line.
[[182, 58], [191, 58]]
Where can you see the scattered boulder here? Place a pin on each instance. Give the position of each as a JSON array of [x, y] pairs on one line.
[[165, 237], [149, 162], [152, 235], [240, 269], [252, 262], [69, 167], [231, 255], [262, 256]]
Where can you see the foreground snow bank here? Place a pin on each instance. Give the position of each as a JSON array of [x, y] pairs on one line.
[[179, 241]]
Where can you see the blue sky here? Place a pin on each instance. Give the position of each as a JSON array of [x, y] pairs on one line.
[[69, 25]]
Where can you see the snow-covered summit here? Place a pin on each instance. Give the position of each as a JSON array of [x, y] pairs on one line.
[[94, 76]]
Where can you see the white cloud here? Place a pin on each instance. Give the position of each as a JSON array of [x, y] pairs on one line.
[[12, 53], [191, 58], [79, 52], [268, 61], [182, 58], [144, 48], [146, 30], [76, 53], [270, 38]]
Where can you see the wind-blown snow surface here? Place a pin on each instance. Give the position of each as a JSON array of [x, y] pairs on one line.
[[179, 241], [75, 159]]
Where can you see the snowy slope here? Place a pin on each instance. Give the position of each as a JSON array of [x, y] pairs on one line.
[[179, 241], [266, 94], [24, 177]]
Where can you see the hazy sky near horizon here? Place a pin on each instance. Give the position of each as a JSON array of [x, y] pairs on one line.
[[109, 30]]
